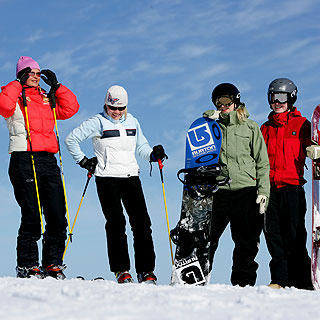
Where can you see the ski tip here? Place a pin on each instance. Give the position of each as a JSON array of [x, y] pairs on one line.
[[97, 279]]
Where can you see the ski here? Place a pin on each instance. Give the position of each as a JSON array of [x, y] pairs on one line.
[[93, 279], [202, 177], [315, 253]]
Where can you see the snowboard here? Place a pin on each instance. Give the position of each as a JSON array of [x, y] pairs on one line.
[[202, 177], [315, 253]]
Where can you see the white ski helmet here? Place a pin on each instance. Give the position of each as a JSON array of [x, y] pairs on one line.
[[116, 96]]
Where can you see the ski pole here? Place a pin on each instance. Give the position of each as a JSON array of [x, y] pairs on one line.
[[75, 219], [53, 105], [165, 206], [32, 159]]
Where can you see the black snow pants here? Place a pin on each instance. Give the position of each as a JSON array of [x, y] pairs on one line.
[[240, 209], [52, 202], [286, 237], [112, 193]]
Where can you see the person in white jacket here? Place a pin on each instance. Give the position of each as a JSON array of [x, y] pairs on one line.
[[116, 137]]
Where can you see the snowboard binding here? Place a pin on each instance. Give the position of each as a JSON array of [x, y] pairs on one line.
[[203, 181]]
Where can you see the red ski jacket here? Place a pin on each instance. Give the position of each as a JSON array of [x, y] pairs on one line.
[[287, 135], [40, 115]]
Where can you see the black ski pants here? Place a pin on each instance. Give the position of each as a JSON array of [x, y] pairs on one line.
[[53, 206], [240, 209], [286, 237], [112, 193]]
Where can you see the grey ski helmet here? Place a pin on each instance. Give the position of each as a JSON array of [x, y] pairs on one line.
[[226, 90], [283, 85]]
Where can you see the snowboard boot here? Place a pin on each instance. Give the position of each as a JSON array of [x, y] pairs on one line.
[[123, 277], [55, 271], [147, 277], [25, 272], [275, 286]]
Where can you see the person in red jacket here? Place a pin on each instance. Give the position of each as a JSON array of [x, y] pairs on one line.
[[287, 135], [33, 168]]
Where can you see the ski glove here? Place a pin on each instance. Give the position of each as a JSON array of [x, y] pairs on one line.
[[262, 201], [158, 153], [50, 79], [89, 164], [212, 114], [313, 152], [23, 75]]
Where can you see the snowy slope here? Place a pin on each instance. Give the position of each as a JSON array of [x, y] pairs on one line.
[[78, 299]]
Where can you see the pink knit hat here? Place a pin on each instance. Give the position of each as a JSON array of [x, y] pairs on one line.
[[25, 62]]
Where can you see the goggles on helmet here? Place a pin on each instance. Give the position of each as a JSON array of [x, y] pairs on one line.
[[279, 97], [223, 101]]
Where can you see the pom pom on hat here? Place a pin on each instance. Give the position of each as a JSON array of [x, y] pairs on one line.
[[25, 62]]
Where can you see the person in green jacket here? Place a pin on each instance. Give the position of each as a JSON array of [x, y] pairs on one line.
[[244, 155]]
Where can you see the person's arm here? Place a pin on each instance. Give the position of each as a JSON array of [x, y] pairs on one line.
[[260, 155], [87, 129], [142, 148], [311, 149], [66, 103], [62, 99], [8, 98]]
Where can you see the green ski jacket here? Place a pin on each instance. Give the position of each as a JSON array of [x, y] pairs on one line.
[[244, 153]]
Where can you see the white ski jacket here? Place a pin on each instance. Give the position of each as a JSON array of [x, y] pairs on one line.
[[115, 143]]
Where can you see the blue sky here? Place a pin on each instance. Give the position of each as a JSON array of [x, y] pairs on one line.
[[169, 55]]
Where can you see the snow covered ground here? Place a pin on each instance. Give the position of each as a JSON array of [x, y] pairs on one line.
[[78, 299]]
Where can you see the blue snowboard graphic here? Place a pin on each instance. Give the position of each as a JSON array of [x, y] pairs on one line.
[[203, 143]]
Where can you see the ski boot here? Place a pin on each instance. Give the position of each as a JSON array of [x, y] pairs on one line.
[[147, 277], [123, 277], [55, 271], [25, 272]]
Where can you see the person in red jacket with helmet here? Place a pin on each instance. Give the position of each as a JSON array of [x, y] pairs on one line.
[[287, 135], [27, 109]]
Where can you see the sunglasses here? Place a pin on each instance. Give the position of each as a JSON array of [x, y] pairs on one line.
[[116, 108], [279, 97], [32, 74], [223, 101]]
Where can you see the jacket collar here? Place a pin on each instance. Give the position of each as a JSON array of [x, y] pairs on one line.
[[111, 119], [232, 117], [34, 90], [281, 119]]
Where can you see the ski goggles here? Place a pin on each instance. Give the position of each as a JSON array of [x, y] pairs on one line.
[[279, 97], [116, 108], [224, 101]]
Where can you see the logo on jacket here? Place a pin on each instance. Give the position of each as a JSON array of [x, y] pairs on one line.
[[294, 133], [112, 100], [45, 100]]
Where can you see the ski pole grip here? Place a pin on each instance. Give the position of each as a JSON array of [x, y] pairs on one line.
[[160, 164], [24, 97]]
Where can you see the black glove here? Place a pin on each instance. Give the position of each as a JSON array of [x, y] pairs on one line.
[[89, 164], [23, 75], [50, 79], [157, 153]]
